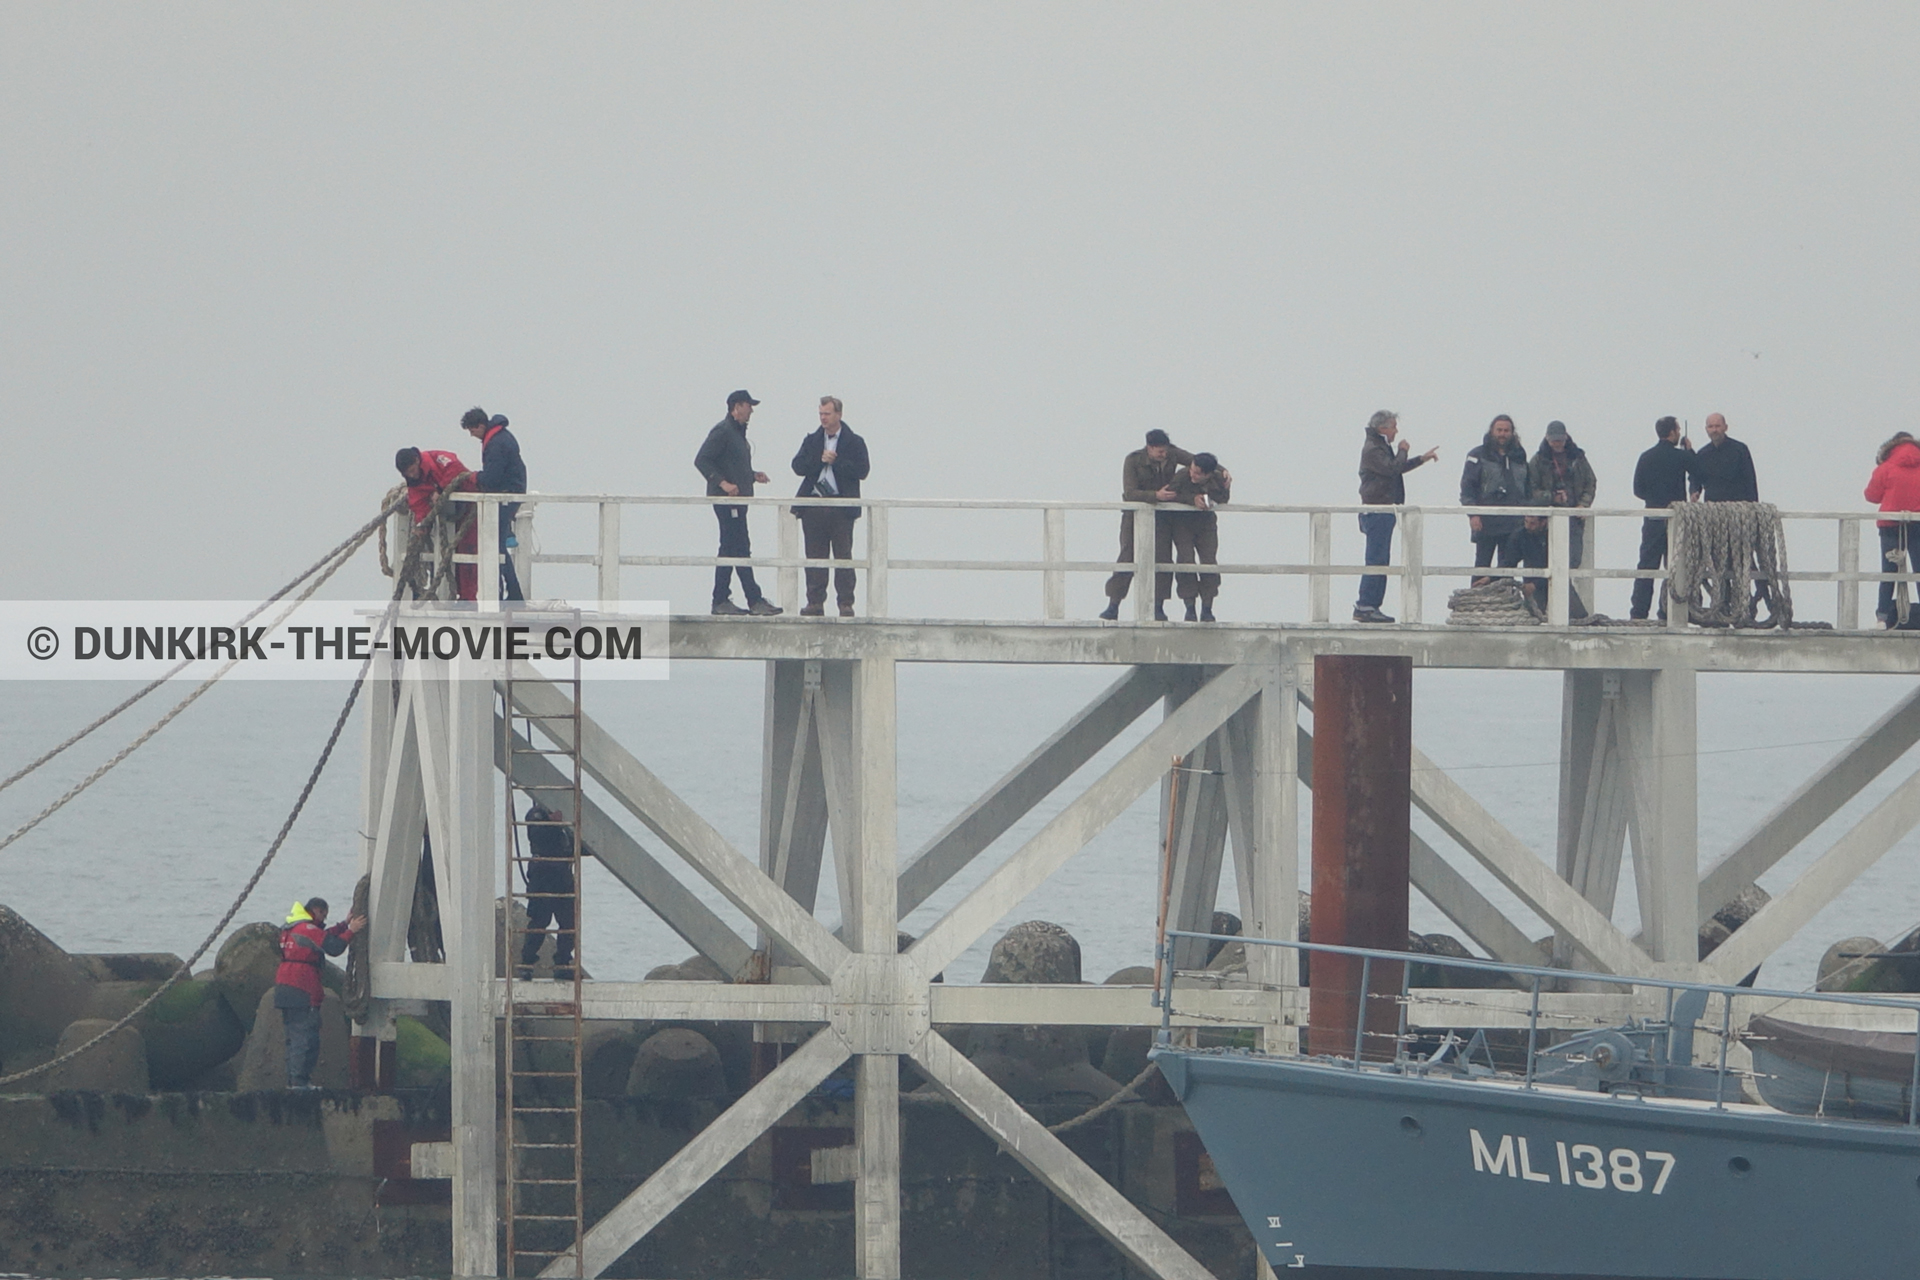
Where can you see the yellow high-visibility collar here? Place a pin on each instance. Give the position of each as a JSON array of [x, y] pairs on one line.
[[298, 913]]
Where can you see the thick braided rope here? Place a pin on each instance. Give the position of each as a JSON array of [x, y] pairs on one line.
[[1500, 603], [1729, 558]]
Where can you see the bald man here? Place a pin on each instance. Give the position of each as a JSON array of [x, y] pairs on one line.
[[1722, 471]]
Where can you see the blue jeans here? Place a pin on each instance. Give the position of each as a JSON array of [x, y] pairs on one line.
[[1377, 526]]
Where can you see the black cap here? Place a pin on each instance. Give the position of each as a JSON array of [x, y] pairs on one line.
[[1157, 438], [1556, 430], [741, 397], [497, 420]]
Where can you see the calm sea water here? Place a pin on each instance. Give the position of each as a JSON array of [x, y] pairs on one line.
[[149, 858]]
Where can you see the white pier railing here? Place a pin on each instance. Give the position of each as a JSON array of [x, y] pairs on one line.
[[1312, 538]]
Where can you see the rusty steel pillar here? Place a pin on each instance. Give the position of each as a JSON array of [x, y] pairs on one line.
[[1362, 782]]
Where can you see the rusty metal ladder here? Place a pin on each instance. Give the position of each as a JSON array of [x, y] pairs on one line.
[[545, 1208]]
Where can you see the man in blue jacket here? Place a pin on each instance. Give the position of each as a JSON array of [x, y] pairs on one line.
[[501, 471], [831, 464]]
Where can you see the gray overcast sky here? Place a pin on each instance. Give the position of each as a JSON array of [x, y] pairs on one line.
[[246, 251]]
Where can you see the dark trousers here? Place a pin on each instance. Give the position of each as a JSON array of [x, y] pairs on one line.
[[1891, 541], [303, 1043], [733, 542], [1196, 539], [1653, 554], [1504, 545], [1122, 579], [829, 535], [543, 910], [1377, 526], [509, 576]]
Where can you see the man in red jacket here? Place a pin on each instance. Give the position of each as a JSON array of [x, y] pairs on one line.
[[1896, 487], [429, 472], [297, 992]]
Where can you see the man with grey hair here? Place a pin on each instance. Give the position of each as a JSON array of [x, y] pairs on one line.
[[1382, 468]]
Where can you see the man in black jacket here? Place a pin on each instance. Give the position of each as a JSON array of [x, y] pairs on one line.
[[1660, 481], [1496, 475], [501, 471], [1723, 469], [726, 460], [831, 464], [551, 893]]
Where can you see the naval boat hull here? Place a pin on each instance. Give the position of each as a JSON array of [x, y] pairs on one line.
[[1380, 1174]]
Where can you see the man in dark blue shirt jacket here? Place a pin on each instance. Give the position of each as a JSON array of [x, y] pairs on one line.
[[1723, 469], [1660, 481], [501, 471]]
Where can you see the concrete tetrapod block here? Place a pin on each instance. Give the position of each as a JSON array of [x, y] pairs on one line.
[[1034, 951], [188, 1031], [117, 1065], [263, 1060], [676, 1064], [131, 966], [1845, 968], [42, 988]]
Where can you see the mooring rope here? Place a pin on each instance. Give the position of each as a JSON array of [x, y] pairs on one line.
[[1727, 559], [1500, 603], [388, 507], [253, 881], [1131, 1089]]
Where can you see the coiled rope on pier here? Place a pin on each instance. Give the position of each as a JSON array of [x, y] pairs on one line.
[[1500, 603], [313, 777], [1727, 559]]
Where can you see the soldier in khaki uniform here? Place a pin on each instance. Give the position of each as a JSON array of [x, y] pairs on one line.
[[1146, 476], [1201, 485]]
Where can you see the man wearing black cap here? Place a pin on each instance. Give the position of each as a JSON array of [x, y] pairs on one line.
[[1146, 476], [726, 460], [501, 471], [1660, 481]]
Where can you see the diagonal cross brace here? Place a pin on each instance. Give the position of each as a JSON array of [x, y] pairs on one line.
[[691, 1167], [1028, 783], [633, 866], [1051, 1161], [684, 831], [1089, 814]]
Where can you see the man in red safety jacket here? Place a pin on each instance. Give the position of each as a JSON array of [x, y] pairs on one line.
[[297, 993], [429, 472]]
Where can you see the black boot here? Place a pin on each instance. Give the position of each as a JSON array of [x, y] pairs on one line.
[[1160, 611], [1112, 612], [1206, 611], [1192, 615]]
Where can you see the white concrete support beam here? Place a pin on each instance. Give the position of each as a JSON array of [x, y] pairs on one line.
[[1812, 803], [1596, 795], [651, 882], [1261, 743], [691, 1167], [1108, 1212], [1469, 909], [1193, 808], [608, 555], [793, 793], [1660, 718], [1081, 820], [466, 913], [400, 819], [1820, 884], [1028, 783], [873, 917]]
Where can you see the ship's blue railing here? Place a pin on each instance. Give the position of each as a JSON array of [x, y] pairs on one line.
[[1535, 976]]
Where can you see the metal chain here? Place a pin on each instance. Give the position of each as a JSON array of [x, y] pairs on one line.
[[359, 536], [253, 881]]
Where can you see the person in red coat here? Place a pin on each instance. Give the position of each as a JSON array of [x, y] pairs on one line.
[[1896, 487], [297, 992], [428, 473]]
